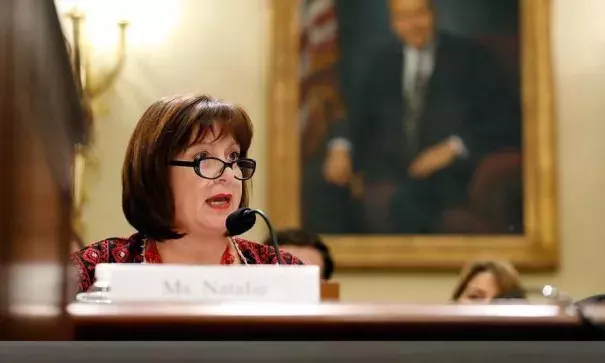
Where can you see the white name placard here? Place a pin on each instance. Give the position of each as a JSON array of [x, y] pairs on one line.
[[129, 282]]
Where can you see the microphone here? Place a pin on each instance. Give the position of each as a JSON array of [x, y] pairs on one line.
[[243, 219], [240, 221]]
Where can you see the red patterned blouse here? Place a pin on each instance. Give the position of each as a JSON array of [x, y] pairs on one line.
[[130, 250]]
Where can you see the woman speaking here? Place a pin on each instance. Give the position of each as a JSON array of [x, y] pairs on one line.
[[185, 170]]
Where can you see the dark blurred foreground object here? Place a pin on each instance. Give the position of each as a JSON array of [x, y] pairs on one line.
[[586, 310], [595, 299], [41, 120]]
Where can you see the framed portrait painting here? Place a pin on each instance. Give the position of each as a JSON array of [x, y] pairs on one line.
[[415, 134]]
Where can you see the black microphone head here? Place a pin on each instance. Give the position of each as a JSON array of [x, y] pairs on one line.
[[240, 221]]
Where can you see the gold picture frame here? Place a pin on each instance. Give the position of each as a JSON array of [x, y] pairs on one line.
[[536, 249]]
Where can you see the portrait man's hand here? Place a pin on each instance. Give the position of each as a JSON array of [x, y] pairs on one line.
[[432, 160], [338, 167]]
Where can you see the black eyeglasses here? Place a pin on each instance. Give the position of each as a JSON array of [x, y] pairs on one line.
[[213, 168]]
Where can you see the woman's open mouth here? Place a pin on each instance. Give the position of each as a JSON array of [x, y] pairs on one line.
[[219, 201]]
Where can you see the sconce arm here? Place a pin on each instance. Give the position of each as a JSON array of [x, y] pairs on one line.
[[108, 79]]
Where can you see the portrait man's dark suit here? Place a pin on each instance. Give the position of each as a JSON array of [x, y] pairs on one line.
[[467, 102]]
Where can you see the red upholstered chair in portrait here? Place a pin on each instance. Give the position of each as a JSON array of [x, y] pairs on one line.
[[495, 192], [495, 198]]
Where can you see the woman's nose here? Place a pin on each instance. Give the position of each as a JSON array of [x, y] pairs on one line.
[[228, 174]]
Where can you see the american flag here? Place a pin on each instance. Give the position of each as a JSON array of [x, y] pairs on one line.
[[320, 99]]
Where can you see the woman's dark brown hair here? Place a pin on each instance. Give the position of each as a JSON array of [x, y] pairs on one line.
[[506, 276], [167, 128]]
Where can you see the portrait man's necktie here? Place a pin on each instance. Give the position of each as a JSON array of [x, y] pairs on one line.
[[414, 102]]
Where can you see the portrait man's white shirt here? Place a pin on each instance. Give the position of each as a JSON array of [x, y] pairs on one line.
[[419, 64]]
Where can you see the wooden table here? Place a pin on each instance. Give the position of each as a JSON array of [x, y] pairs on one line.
[[327, 321]]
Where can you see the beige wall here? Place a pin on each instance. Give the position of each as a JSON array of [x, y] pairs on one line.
[[205, 52]]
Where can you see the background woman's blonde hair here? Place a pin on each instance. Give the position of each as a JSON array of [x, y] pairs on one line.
[[506, 276]]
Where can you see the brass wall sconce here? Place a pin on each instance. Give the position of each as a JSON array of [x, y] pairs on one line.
[[94, 85]]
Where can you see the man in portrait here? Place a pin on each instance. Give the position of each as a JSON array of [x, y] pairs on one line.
[[431, 106], [326, 207]]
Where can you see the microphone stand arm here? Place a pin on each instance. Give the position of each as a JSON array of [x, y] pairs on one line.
[[271, 233]]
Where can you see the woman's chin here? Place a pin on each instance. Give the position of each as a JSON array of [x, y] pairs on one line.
[[215, 224], [214, 219]]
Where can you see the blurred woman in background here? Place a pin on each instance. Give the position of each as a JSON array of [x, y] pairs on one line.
[[484, 281]]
